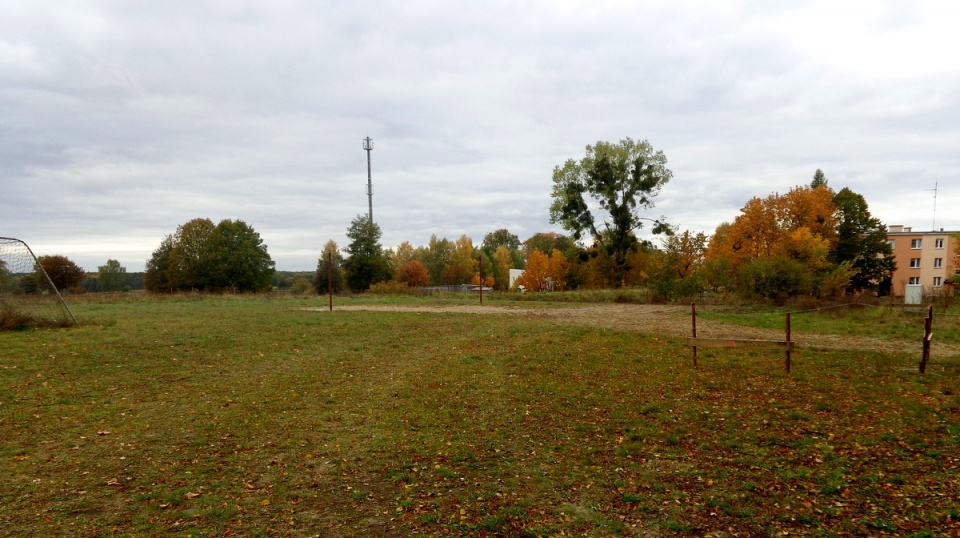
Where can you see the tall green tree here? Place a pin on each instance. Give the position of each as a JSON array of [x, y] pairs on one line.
[[602, 195], [861, 242], [436, 256], [186, 259], [329, 269], [111, 276], [229, 256], [236, 259], [548, 242], [819, 179], [366, 262], [158, 274], [502, 237]]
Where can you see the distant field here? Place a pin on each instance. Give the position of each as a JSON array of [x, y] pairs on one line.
[[253, 416]]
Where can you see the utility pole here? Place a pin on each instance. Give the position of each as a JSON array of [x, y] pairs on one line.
[[368, 147]]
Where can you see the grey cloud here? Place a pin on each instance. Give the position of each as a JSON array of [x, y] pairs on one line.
[[119, 121]]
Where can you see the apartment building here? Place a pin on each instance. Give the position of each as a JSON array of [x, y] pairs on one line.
[[927, 259]]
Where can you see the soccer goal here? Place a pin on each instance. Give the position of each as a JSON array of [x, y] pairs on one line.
[[28, 297]]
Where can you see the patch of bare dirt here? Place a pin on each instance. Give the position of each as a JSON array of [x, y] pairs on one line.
[[668, 320]]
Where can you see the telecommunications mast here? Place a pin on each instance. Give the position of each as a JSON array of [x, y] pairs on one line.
[[368, 147]]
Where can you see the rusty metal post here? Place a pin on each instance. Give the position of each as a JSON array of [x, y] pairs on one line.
[[693, 311], [330, 278], [480, 265], [927, 337], [788, 342]]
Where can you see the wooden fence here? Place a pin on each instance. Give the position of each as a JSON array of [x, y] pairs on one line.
[[785, 345]]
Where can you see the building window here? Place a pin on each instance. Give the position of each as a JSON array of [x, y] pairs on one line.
[[914, 280], [914, 263], [938, 263], [916, 243], [937, 281], [938, 244]]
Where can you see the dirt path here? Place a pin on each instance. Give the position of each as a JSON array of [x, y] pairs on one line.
[[670, 320]]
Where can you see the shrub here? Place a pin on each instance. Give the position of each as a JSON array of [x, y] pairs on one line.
[[392, 287], [774, 278]]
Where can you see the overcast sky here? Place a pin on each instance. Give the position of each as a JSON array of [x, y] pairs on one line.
[[120, 120]]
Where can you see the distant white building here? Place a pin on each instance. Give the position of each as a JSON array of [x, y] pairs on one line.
[[514, 275]]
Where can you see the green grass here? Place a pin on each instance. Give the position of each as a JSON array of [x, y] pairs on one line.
[[250, 416]]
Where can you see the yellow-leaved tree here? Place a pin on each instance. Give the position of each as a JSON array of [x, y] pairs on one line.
[[504, 262], [462, 264]]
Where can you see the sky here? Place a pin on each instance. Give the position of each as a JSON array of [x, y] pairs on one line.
[[121, 120]]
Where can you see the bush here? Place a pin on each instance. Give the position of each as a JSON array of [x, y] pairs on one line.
[[392, 287], [10, 320], [774, 278], [301, 285]]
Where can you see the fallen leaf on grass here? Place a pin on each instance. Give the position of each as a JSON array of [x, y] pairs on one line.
[[192, 495]]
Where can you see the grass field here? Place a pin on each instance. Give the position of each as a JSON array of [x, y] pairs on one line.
[[254, 416]]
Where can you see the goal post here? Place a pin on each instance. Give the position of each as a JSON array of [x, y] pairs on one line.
[[28, 296]]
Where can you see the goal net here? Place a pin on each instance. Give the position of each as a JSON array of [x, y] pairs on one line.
[[28, 297]]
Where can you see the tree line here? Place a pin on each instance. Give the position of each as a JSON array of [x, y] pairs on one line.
[[67, 276], [811, 241]]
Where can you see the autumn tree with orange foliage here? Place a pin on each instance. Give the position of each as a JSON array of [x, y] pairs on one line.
[[559, 269], [808, 241], [798, 225], [779, 246], [487, 280], [545, 273], [414, 274]]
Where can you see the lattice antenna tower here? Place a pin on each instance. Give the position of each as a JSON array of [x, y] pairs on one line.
[[28, 296]]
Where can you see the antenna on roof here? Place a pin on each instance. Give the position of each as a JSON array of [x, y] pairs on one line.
[[936, 184]]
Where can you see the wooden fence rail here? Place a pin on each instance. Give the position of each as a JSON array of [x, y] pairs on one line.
[[785, 345]]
